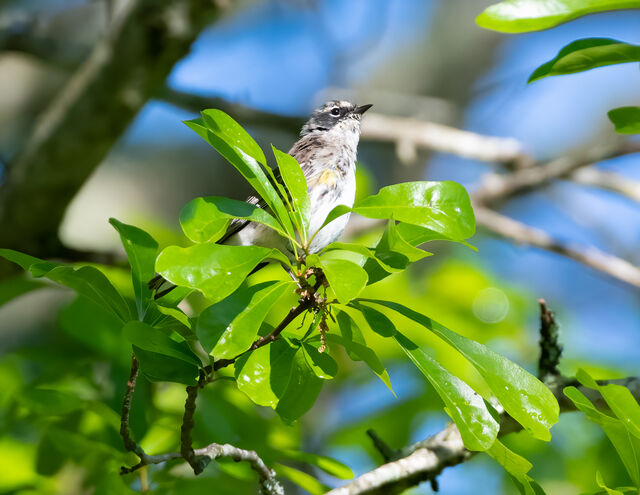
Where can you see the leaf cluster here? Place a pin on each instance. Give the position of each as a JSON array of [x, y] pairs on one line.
[[285, 367], [519, 16]]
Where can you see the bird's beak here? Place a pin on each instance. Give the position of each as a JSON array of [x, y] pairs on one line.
[[360, 110]]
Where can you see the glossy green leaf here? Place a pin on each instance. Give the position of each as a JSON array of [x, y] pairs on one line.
[[215, 270], [302, 390], [87, 281], [321, 363], [585, 54], [522, 395], [161, 358], [277, 375], [517, 466], [346, 278], [477, 426], [354, 343], [337, 212], [519, 16], [206, 219], [141, 250], [150, 339], [264, 374], [305, 481], [225, 127], [443, 207], [161, 368], [296, 183], [329, 465], [627, 446], [626, 119], [235, 144], [230, 326], [619, 399], [393, 253], [377, 321]]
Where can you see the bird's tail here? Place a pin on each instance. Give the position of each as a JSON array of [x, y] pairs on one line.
[[160, 286]]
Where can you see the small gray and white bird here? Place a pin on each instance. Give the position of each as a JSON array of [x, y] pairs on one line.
[[326, 152]]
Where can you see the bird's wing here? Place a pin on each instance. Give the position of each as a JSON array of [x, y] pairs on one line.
[[303, 151], [237, 224]]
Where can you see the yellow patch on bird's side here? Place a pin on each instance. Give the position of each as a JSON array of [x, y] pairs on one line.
[[328, 177]]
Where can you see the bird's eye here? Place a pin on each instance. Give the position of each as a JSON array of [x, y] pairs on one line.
[[335, 111]]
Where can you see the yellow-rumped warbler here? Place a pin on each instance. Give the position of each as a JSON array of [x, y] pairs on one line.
[[326, 152]]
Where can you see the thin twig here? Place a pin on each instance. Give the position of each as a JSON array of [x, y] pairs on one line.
[[611, 181], [500, 187], [125, 431], [198, 463], [308, 301], [387, 452]]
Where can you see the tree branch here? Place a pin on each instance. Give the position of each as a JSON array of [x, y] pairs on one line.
[[198, 459], [496, 188], [611, 181], [81, 124], [412, 134], [520, 233]]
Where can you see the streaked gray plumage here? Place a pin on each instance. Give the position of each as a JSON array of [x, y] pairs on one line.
[[326, 152]]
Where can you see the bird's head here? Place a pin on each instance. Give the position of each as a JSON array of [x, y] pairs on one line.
[[335, 114]]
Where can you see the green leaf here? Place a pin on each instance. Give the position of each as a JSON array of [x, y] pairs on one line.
[[230, 326], [213, 269], [302, 390], [477, 426], [235, 144], [321, 363], [619, 399], [264, 374], [346, 278], [337, 212], [294, 179], [393, 253], [443, 207], [302, 479], [519, 16], [206, 219], [147, 338], [626, 119], [601, 484], [627, 445], [161, 359], [585, 54], [377, 321], [517, 466], [141, 250], [87, 281], [329, 465], [354, 343], [523, 396], [225, 127]]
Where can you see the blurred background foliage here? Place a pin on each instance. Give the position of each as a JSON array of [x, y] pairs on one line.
[[64, 363]]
